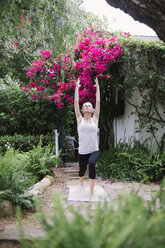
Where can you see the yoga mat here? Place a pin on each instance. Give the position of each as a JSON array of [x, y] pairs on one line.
[[77, 193]]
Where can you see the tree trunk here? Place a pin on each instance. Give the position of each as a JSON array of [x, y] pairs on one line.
[[152, 13]]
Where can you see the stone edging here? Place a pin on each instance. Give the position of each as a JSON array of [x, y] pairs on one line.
[[41, 186], [8, 209]]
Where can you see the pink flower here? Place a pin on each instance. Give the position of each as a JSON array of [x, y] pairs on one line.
[[34, 96], [24, 87], [29, 20], [45, 54], [51, 75], [39, 88], [16, 43], [112, 39], [33, 85], [127, 34]]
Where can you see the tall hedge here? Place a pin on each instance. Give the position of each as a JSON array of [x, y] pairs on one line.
[[22, 115]]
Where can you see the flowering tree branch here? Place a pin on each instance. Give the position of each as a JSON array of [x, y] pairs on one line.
[[93, 54]]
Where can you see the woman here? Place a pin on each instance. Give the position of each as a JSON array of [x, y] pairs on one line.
[[87, 132]]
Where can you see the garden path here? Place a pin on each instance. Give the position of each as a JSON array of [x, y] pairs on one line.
[[64, 176]]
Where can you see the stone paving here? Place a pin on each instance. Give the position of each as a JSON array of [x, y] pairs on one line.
[[64, 176], [11, 232]]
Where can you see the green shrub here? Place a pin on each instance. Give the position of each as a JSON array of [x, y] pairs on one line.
[[14, 179], [129, 162], [19, 171], [40, 160], [20, 114], [24, 142], [128, 222]]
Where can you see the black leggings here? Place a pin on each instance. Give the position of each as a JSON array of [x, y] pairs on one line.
[[84, 160]]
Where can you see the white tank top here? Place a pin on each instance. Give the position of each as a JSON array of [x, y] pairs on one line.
[[87, 137]]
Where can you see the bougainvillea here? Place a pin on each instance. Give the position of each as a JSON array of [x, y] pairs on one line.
[[91, 57]]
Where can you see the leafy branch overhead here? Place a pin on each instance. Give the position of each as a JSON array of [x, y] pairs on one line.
[[38, 25]]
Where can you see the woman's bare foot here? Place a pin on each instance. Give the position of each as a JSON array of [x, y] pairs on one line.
[[91, 185], [90, 193], [81, 181]]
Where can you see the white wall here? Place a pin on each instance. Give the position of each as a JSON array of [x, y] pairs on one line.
[[125, 126]]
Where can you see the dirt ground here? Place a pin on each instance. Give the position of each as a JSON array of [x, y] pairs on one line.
[[114, 189]]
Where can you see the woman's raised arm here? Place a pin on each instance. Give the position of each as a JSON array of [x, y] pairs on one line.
[[97, 107], [76, 102]]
